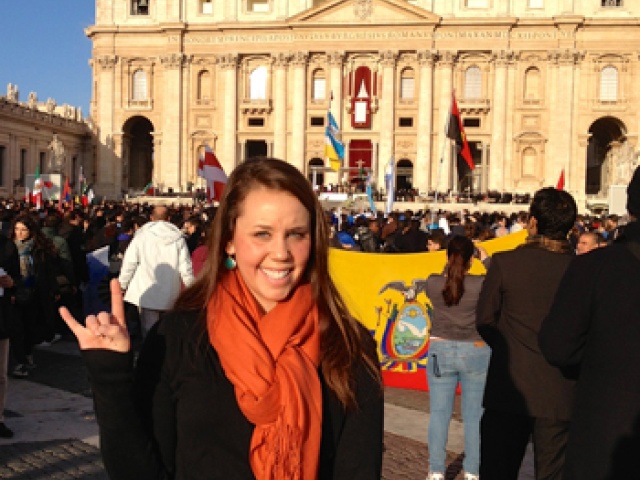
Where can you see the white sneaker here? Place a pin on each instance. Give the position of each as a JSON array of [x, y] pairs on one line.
[[435, 476], [471, 476]]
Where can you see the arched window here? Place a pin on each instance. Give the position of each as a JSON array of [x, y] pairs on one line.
[[318, 86], [529, 158], [472, 83], [139, 91], [316, 177], [204, 85], [407, 84], [609, 84], [258, 84], [532, 84]]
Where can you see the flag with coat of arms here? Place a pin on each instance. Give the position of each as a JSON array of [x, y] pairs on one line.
[[210, 169]]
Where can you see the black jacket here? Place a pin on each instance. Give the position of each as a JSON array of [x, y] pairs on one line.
[[177, 417], [10, 261]]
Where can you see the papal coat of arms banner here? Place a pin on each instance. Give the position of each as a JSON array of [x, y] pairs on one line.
[[386, 293]]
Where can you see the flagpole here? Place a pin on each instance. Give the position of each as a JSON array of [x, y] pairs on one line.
[[439, 171]]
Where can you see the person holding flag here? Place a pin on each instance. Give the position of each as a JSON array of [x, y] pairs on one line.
[[210, 169], [455, 132]]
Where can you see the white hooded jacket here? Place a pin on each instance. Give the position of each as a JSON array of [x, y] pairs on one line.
[[155, 265]]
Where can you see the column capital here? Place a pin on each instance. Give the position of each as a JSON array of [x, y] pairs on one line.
[[566, 57], [173, 60], [447, 58], [427, 57], [336, 58], [388, 58], [228, 61], [107, 62], [280, 60], [299, 59], [503, 58]]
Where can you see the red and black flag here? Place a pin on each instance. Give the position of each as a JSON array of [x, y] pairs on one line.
[[455, 131]]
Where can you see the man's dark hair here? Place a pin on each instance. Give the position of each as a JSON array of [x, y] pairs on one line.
[[555, 211]]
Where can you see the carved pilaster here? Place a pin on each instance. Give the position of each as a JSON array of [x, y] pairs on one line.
[[107, 62]]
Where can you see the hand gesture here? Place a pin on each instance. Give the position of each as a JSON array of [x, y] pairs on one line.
[[106, 330]]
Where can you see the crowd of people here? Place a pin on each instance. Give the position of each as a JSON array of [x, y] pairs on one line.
[[222, 279]]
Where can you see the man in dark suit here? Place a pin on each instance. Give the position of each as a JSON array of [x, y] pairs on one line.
[[594, 324], [524, 395]]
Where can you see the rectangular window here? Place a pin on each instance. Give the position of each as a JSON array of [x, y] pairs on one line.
[[405, 122], [207, 7], [2, 163], [319, 89], [23, 164], [256, 122], [42, 161], [477, 3], [612, 3], [407, 88], [317, 121], [471, 122], [536, 3], [139, 7], [258, 6]]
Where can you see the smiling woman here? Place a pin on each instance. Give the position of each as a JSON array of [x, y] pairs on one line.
[[259, 356]]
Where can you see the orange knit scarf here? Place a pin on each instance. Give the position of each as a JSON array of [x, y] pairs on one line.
[[272, 360]]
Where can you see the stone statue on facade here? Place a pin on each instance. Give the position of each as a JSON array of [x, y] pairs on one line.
[[33, 100], [625, 165], [57, 157], [12, 92]]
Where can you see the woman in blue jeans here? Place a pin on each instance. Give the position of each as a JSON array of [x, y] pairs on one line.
[[457, 353]]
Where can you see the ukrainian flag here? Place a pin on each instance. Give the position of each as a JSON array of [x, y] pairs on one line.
[[333, 148]]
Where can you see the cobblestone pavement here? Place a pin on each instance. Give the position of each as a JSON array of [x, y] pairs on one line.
[[56, 435]]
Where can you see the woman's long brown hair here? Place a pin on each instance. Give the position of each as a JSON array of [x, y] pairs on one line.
[[459, 252], [342, 339]]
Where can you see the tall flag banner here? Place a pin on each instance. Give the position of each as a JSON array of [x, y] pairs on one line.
[[82, 181], [455, 131], [37, 189], [369, 189], [560, 185], [210, 169], [65, 196], [389, 180], [333, 148]]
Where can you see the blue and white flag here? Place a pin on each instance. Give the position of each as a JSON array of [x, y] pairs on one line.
[[389, 180], [333, 148]]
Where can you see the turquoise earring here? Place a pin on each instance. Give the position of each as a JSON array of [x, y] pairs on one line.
[[230, 263]]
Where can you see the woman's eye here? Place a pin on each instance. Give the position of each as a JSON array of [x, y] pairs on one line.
[[262, 234]]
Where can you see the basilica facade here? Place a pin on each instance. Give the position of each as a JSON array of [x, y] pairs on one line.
[[544, 88]]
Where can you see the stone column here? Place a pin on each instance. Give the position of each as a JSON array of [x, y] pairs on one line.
[[298, 110], [280, 62], [426, 59], [105, 71], [512, 78], [168, 172], [229, 66], [387, 110], [443, 161], [561, 117], [499, 117], [116, 141], [485, 167]]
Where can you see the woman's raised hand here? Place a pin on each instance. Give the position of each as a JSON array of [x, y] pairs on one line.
[[103, 331]]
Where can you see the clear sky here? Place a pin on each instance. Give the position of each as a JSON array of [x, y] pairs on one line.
[[44, 49]]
